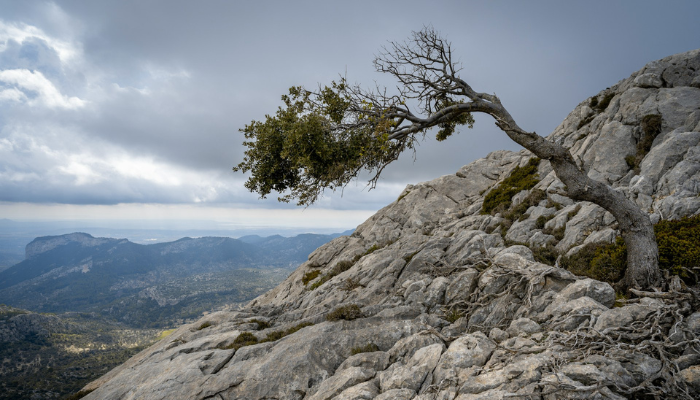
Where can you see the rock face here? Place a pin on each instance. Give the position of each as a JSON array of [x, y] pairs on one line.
[[448, 310]]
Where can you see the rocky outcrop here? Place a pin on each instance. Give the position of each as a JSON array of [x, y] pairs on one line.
[[449, 307]]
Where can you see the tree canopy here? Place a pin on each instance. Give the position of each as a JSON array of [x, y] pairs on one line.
[[324, 138]]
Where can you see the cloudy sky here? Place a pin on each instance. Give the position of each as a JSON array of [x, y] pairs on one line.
[[131, 109]]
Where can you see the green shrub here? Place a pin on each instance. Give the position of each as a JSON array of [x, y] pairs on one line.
[[517, 212], [545, 254], [594, 102], [403, 195], [368, 348], [261, 324], [571, 214], [542, 220], [244, 339], [204, 325], [631, 161], [372, 249], [340, 267], [453, 315], [520, 179], [310, 276], [348, 313], [603, 104], [679, 244], [605, 262]]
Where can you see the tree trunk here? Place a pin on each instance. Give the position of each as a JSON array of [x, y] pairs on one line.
[[635, 226]]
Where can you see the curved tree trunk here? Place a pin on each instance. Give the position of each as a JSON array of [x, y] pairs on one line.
[[635, 226]]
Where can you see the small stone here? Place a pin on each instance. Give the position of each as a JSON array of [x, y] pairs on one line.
[[498, 335]]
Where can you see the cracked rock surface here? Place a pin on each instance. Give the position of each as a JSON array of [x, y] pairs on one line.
[[449, 310]]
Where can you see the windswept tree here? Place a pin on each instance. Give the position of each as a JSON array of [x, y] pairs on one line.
[[323, 138]]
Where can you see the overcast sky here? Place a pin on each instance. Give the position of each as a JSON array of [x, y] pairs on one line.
[[131, 109]]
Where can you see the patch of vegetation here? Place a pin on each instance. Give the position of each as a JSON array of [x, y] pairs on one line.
[[204, 325], [619, 299], [372, 249], [165, 334], [339, 268], [244, 339], [594, 102], [631, 161], [261, 324], [453, 315], [520, 179], [603, 104], [348, 312], [310, 276], [605, 262], [651, 127], [542, 220], [368, 348], [679, 249], [403, 195], [545, 254], [573, 212], [519, 212]]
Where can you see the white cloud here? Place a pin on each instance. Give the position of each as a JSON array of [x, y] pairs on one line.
[[20, 32], [35, 81]]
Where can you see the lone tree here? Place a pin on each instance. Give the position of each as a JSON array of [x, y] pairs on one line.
[[324, 138]]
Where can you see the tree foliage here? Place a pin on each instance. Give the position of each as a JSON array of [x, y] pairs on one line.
[[325, 138]]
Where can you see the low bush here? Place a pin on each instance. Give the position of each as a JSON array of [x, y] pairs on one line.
[[545, 254], [242, 340], [310, 276], [453, 315], [605, 102], [261, 324], [520, 179], [204, 325], [348, 312], [605, 262]]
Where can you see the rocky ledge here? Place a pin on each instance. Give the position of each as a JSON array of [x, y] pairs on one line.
[[432, 299]]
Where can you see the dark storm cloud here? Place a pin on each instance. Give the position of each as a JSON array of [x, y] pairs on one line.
[[148, 107]]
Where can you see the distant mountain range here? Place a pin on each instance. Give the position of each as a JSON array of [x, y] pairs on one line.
[[155, 285]]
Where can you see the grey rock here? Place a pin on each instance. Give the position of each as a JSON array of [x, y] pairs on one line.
[[411, 374], [648, 80], [691, 376], [342, 380], [498, 335], [462, 285], [397, 394], [375, 361], [468, 351], [363, 391], [601, 292], [623, 316], [523, 325]]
